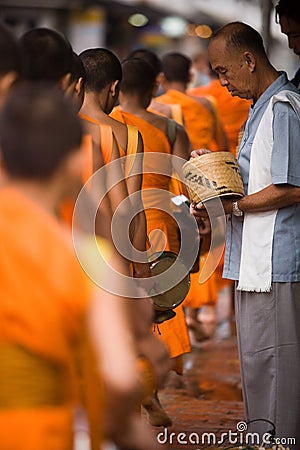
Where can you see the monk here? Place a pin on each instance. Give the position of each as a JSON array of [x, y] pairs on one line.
[[135, 95], [198, 114], [171, 111], [46, 56], [103, 76], [47, 300], [233, 110]]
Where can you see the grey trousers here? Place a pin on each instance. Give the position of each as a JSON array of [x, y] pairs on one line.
[[268, 331]]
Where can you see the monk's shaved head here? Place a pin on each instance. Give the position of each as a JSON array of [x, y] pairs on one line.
[[102, 67], [176, 67], [38, 129], [138, 77], [77, 68], [45, 56], [149, 56]]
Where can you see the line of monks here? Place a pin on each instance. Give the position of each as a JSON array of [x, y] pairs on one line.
[[65, 342]]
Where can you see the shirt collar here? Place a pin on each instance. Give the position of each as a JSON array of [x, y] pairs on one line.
[[273, 89]]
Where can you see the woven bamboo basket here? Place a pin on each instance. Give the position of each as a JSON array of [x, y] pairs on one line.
[[211, 175]]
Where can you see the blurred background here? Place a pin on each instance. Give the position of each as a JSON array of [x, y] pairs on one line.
[[161, 25]]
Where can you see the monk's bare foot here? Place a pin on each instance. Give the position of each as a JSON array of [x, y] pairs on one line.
[[197, 330], [157, 416]]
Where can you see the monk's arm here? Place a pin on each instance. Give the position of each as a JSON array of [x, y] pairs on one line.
[[182, 149], [134, 186], [120, 203]]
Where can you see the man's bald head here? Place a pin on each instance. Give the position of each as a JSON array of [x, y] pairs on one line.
[[240, 37]]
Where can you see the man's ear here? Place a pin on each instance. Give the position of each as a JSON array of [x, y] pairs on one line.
[[64, 82], [114, 88], [6, 81], [250, 60], [78, 86]]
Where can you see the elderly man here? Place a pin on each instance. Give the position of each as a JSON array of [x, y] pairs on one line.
[[288, 14], [262, 251]]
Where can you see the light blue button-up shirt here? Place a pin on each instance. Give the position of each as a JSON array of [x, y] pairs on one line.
[[285, 168]]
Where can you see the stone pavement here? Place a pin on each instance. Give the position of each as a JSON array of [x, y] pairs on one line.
[[207, 402]]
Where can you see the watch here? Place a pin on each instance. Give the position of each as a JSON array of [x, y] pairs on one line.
[[236, 211]]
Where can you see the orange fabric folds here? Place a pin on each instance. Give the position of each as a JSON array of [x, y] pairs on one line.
[[198, 119], [161, 227], [233, 110], [44, 295]]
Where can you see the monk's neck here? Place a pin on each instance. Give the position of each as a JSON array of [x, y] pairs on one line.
[[47, 195], [175, 86], [93, 106], [133, 105]]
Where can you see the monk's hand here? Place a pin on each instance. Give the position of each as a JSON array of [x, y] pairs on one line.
[[204, 226], [214, 208], [199, 211], [141, 270], [199, 152]]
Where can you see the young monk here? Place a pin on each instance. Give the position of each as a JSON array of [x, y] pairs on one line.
[[46, 56], [103, 77], [198, 114], [135, 95], [47, 300]]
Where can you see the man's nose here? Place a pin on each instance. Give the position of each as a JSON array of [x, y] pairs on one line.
[[223, 81]]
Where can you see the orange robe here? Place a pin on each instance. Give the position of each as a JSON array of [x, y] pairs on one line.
[[199, 123], [202, 294], [44, 296], [198, 120], [174, 331], [233, 110]]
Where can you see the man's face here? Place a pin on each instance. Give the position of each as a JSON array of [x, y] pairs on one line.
[[291, 28], [232, 69]]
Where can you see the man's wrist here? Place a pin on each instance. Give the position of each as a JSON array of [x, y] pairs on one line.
[[236, 210]]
